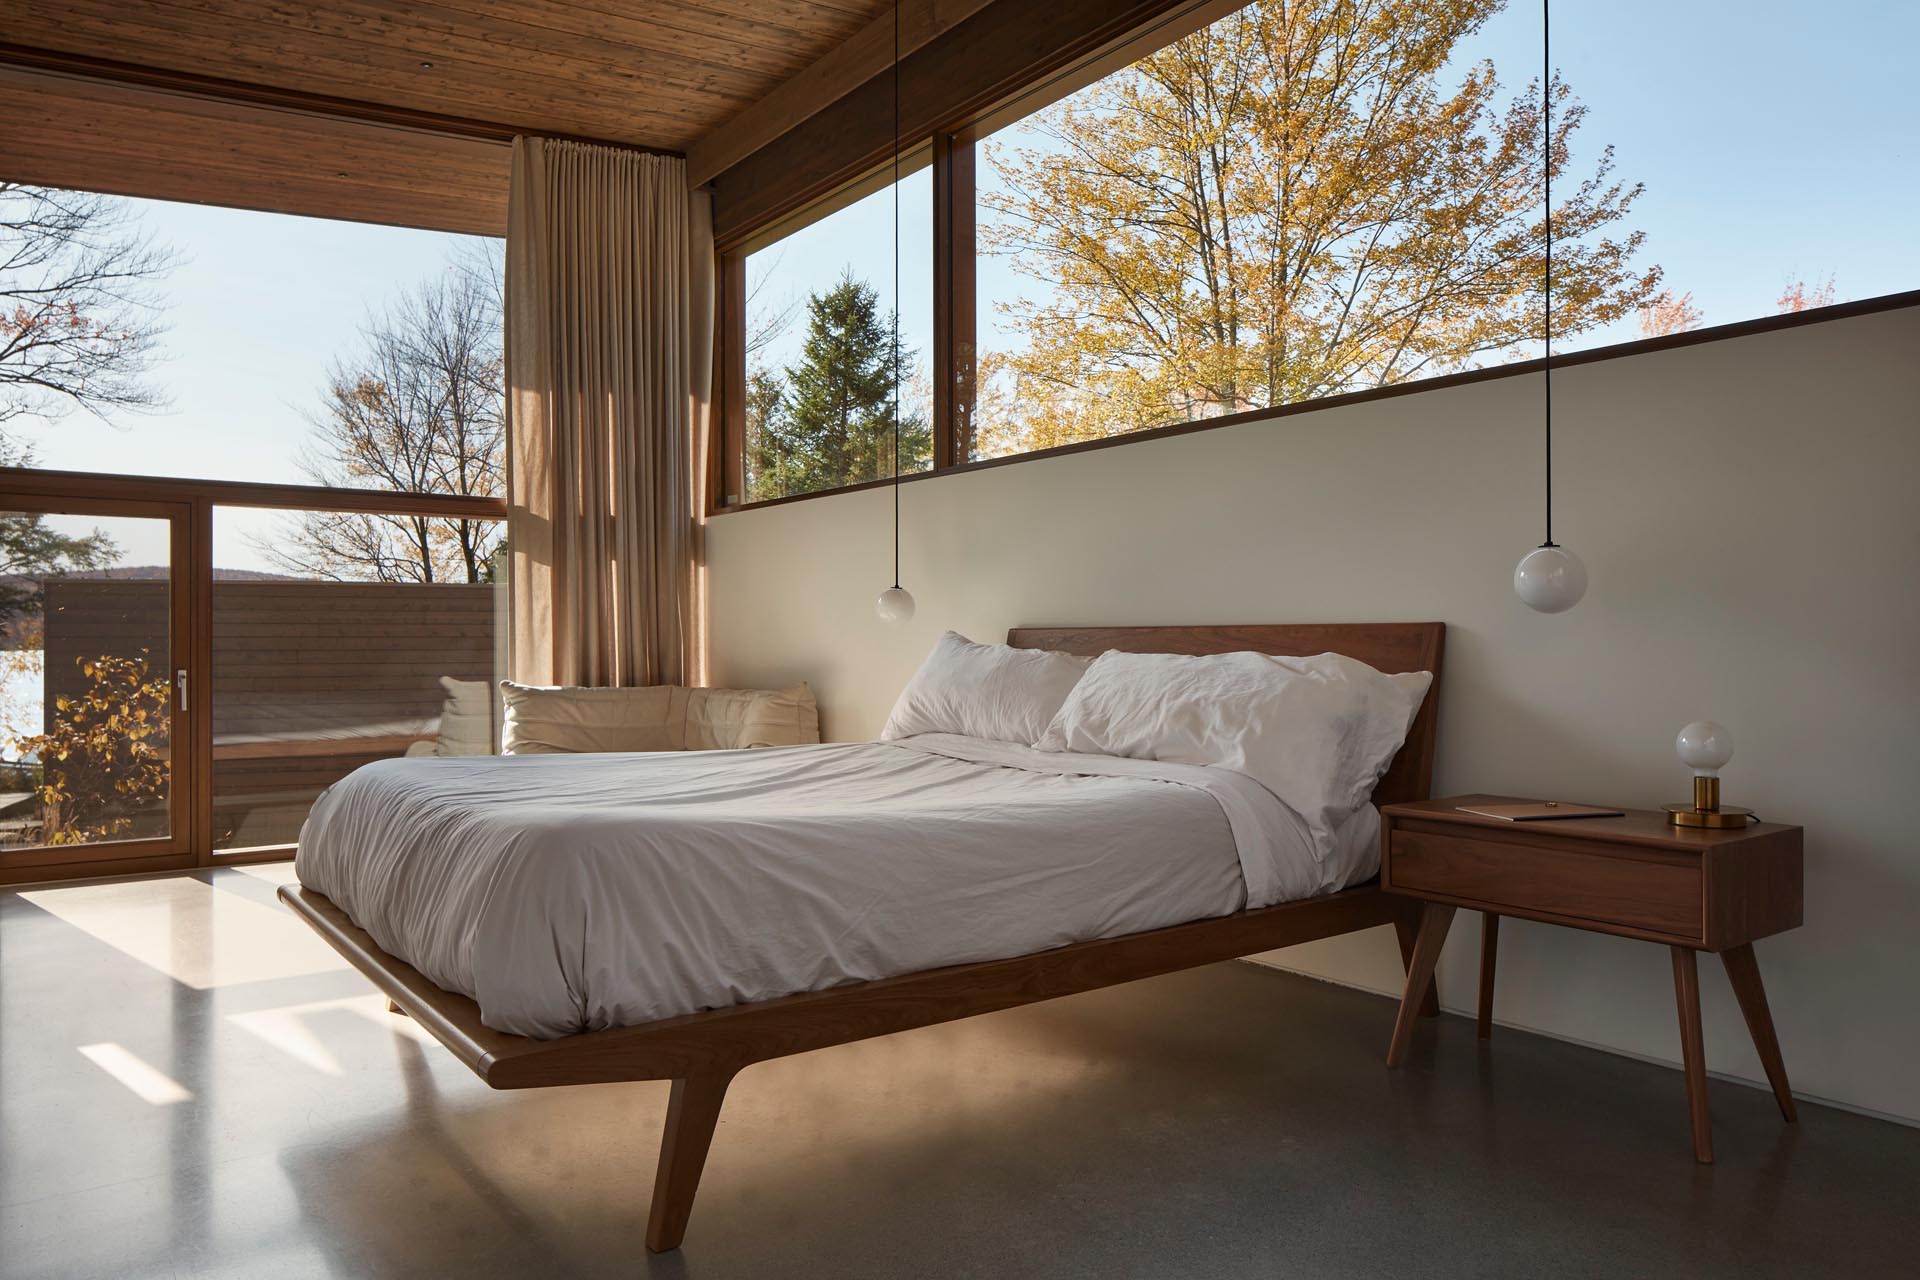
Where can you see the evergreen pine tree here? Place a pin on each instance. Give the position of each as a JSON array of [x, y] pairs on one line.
[[831, 423], [768, 470]]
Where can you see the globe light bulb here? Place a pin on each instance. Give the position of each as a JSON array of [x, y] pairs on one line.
[[894, 605], [1704, 747], [1550, 579]]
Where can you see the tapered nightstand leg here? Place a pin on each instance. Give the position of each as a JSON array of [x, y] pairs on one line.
[[1434, 921], [1693, 1053], [1744, 972], [1405, 930], [1489, 947]]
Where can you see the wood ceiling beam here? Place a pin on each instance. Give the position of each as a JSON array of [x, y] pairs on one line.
[[1009, 49], [122, 139], [246, 93], [867, 54]]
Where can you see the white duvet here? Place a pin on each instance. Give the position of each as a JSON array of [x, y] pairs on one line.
[[573, 893]]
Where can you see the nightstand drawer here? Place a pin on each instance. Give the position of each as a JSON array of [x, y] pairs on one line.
[[1626, 888]]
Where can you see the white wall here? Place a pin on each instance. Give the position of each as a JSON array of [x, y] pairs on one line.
[[1746, 509]]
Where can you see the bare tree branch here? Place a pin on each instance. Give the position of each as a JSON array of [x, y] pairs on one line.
[[768, 318], [419, 408], [78, 326]]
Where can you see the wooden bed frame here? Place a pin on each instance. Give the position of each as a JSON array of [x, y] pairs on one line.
[[701, 1052]]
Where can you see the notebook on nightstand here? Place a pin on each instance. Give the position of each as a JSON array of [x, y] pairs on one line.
[[1540, 811]]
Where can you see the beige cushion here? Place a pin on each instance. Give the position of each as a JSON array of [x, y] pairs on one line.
[[466, 718], [724, 718], [542, 721]]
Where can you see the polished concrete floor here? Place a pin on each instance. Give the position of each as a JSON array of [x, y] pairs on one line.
[[191, 1085]]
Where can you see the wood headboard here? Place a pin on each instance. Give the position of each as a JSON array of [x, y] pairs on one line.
[[1392, 647]]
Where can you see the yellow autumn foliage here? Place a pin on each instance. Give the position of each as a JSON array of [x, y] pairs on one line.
[[1287, 204], [103, 758]]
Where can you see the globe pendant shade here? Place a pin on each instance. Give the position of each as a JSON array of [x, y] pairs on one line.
[[1550, 579], [894, 605]]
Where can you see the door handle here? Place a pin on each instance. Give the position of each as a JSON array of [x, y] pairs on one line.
[[180, 689]]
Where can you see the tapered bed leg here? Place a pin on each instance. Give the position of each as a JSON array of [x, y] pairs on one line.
[[1406, 928], [692, 1111], [394, 1008]]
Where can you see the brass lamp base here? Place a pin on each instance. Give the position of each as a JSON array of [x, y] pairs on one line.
[[1706, 809], [1685, 815]]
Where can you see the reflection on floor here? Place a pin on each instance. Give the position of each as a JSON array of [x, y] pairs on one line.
[[189, 1088]]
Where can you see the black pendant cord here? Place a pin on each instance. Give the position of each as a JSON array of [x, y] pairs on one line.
[[896, 294], [1546, 155]]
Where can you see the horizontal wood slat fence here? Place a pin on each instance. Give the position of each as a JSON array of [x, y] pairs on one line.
[[311, 680]]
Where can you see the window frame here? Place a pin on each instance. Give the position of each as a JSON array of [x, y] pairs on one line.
[[953, 148], [175, 848], [727, 438]]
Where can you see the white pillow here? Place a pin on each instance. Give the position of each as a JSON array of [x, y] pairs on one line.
[[1317, 732], [990, 691]]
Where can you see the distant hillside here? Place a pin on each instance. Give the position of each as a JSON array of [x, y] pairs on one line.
[[160, 572]]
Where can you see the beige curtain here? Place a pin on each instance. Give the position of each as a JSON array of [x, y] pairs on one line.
[[609, 346]]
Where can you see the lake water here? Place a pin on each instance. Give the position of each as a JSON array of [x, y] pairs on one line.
[[22, 708]]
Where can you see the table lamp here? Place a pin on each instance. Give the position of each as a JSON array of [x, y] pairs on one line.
[[1706, 747]]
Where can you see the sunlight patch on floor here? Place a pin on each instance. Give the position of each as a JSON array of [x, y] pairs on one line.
[[192, 932], [288, 1028], [274, 873], [141, 1077]]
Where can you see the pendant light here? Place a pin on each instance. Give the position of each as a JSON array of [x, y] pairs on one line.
[[1549, 578], [896, 602]]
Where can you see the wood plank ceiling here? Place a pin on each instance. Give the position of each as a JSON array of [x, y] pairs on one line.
[[428, 91]]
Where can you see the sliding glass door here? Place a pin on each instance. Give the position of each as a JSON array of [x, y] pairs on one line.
[[96, 769], [162, 707]]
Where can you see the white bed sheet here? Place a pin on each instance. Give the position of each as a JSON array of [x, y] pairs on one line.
[[575, 893]]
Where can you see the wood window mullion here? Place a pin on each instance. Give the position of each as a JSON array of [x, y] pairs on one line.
[[729, 487], [953, 299], [197, 660]]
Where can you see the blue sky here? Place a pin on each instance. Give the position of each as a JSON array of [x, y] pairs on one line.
[[1776, 140]]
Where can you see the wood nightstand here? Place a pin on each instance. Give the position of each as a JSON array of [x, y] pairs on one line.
[[1637, 876]]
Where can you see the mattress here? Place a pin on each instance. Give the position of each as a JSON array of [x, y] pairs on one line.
[[575, 893]]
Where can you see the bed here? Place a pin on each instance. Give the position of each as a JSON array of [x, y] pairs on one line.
[[664, 1029]]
